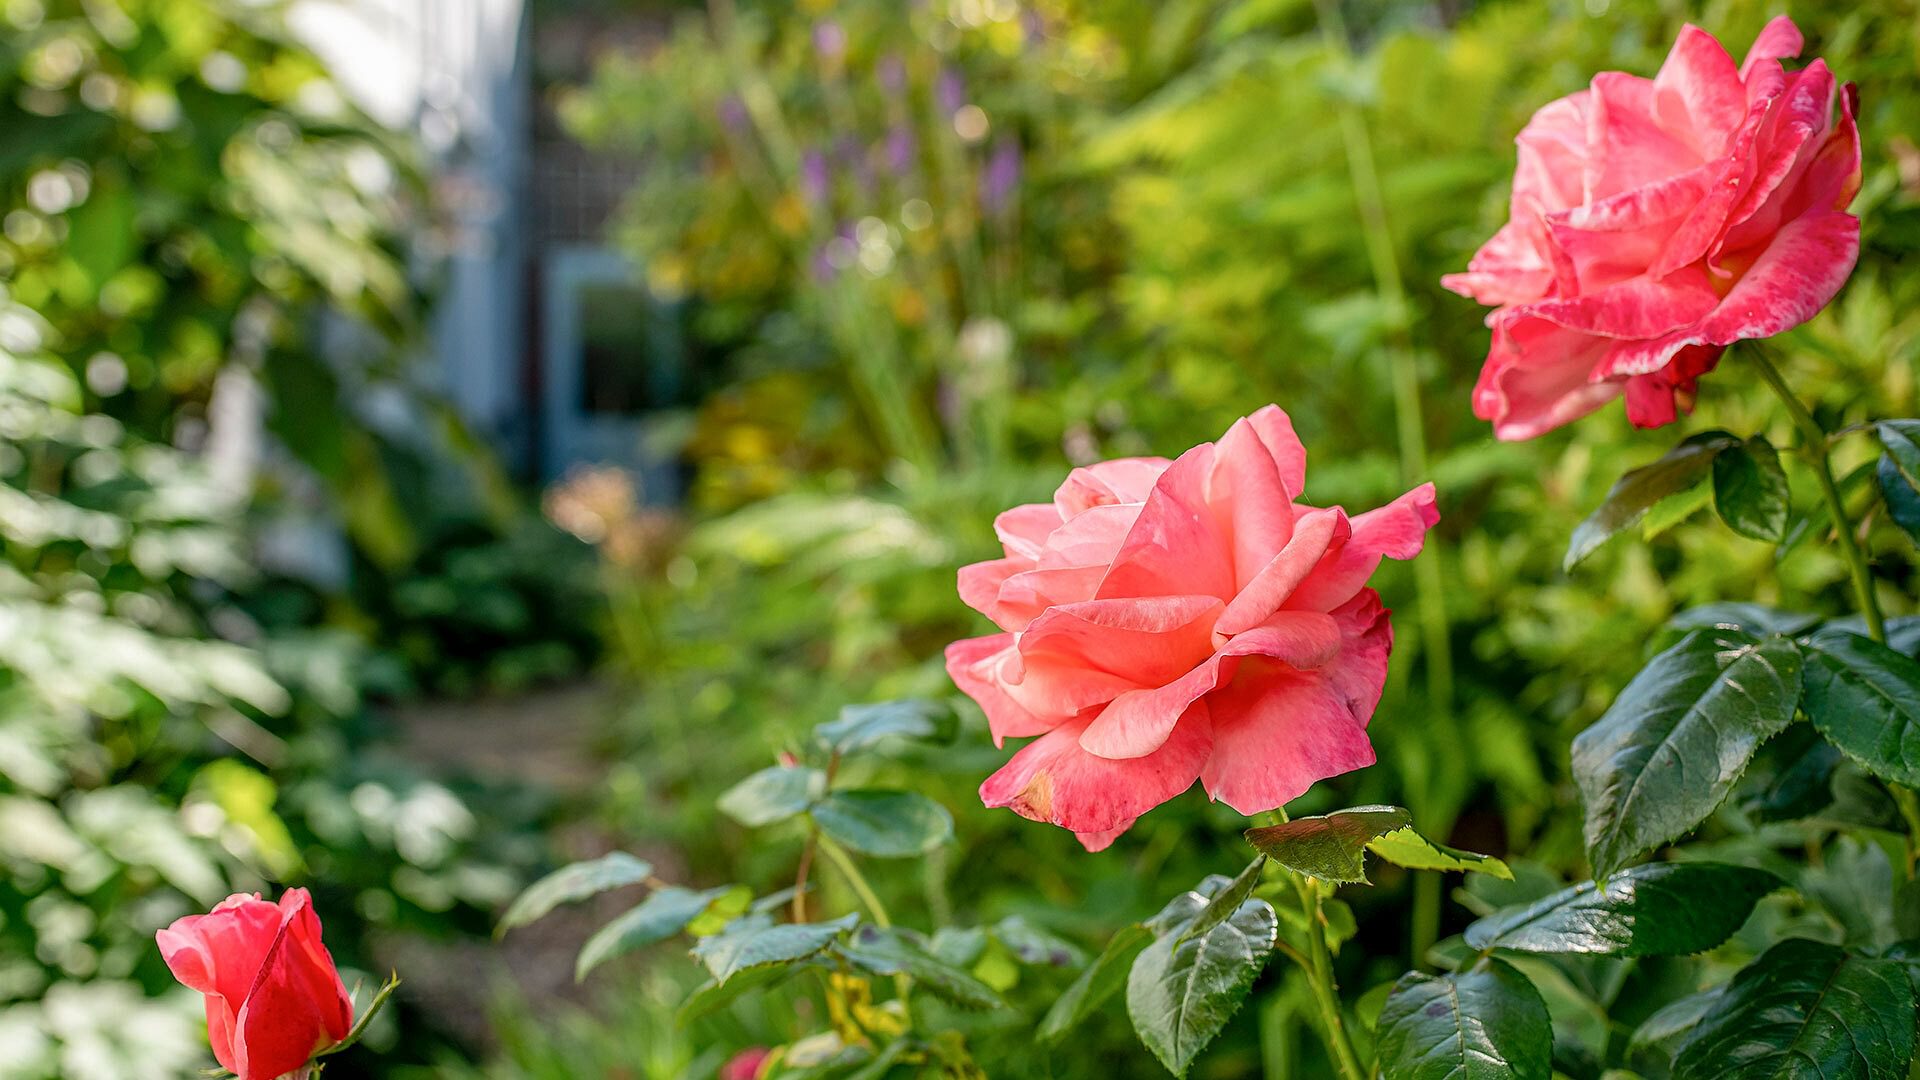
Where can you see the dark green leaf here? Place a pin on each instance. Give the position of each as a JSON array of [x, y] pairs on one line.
[[1485, 1023], [1659, 1036], [1102, 979], [1899, 473], [574, 882], [1332, 847], [1227, 901], [1750, 490], [1758, 620], [1034, 945], [1635, 493], [756, 941], [1182, 990], [712, 994], [1407, 848], [1865, 698], [861, 726], [1798, 778], [658, 917], [773, 794], [891, 824], [887, 952], [1655, 909], [1675, 742], [1806, 1010]]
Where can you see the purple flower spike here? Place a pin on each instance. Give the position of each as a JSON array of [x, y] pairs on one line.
[[815, 179], [1001, 177], [829, 40], [892, 73], [951, 91], [733, 113], [902, 146]]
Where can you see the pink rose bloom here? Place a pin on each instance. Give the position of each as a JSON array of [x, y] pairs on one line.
[[272, 994], [1655, 222], [1166, 622]]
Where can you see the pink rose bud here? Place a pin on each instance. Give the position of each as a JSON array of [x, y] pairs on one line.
[[744, 1065], [273, 996], [1657, 221], [1166, 622]]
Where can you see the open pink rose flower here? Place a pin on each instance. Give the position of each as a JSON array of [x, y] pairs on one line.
[[273, 996], [1171, 621], [1657, 221]]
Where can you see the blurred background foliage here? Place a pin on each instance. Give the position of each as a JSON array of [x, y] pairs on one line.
[[942, 252]]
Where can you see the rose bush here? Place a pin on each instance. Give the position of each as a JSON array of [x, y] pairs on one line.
[[1170, 621], [1657, 221], [273, 996]]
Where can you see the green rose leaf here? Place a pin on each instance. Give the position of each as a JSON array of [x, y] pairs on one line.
[[1331, 847], [1659, 1036], [755, 941], [1485, 1023], [1034, 945], [1100, 981], [713, 994], [773, 794], [1678, 738], [1865, 698], [572, 883], [861, 726], [890, 824], [1655, 909], [1750, 490], [1183, 990], [1409, 849], [660, 916], [889, 952], [1898, 473], [1805, 1010], [1224, 903], [1635, 493]]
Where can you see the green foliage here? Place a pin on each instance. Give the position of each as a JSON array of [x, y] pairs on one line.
[[1750, 491], [1657, 909], [570, 884], [1805, 1009], [1865, 698], [1678, 738], [891, 824], [1185, 986], [1485, 1023], [1640, 490], [1333, 847]]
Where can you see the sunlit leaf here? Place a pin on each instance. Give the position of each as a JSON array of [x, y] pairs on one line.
[[773, 794], [1750, 490], [1635, 493], [891, 824], [573, 883], [1331, 847], [1485, 1023], [1655, 909], [1865, 698]]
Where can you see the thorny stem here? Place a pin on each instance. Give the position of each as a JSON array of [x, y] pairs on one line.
[[837, 855], [1819, 456], [1319, 969], [1818, 447]]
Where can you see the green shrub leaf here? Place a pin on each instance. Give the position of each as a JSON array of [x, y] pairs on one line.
[[861, 726], [1656, 909], [890, 824], [773, 794], [888, 952], [1678, 738], [572, 883], [1865, 698], [1899, 473], [1805, 1010], [1750, 490], [1331, 847], [1227, 901], [658, 917], [1485, 1023], [1100, 981], [1635, 493], [1407, 848], [754, 941], [1183, 990]]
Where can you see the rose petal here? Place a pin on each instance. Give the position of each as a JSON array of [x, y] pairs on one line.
[[1778, 40], [1176, 547], [1052, 779], [974, 665], [1278, 731], [1023, 530], [1315, 532], [1123, 480], [1397, 530], [1138, 722], [1698, 93], [1250, 496]]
